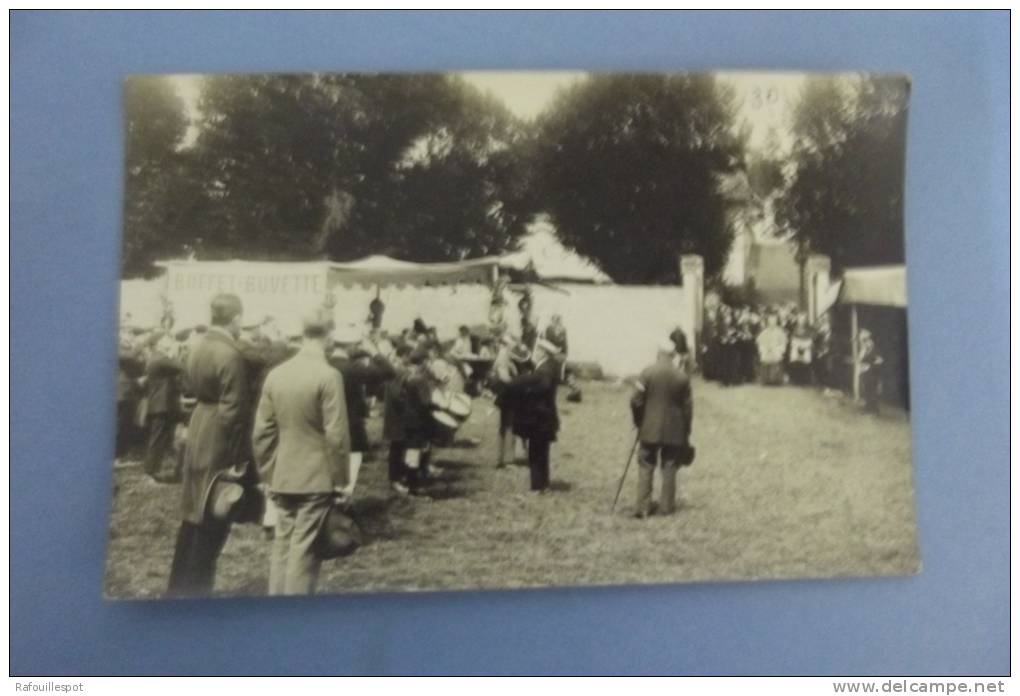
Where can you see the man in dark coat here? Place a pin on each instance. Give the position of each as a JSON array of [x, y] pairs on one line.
[[362, 374], [394, 405], [662, 412], [416, 423], [216, 377], [536, 419], [162, 372]]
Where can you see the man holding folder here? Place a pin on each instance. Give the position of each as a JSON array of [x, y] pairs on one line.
[[301, 443]]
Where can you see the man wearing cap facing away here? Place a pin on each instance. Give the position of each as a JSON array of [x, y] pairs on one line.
[[216, 375], [361, 372], [662, 412], [535, 416], [301, 443]]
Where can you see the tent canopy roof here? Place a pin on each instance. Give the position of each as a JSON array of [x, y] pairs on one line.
[[884, 286], [371, 270]]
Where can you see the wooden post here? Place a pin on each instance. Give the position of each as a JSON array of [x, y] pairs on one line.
[[853, 352], [817, 272], [692, 280]]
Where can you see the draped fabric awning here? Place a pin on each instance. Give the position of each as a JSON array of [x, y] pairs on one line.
[[884, 286], [383, 270], [265, 276]]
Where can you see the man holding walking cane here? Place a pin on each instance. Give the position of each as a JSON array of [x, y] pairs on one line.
[[662, 411]]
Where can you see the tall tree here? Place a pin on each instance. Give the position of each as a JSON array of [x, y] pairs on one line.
[[630, 169], [155, 125], [339, 166], [459, 189], [845, 195]]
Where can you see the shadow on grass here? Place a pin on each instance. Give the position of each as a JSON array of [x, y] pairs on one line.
[[446, 492], [449, 465], [560, 486]]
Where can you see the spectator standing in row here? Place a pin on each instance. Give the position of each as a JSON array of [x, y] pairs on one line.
[[535, 416], [772, 343], [362, 375], [162, 393], [507, 366], [301, 442], [216, 376], [801, 345], [662, 412], [870, 364]]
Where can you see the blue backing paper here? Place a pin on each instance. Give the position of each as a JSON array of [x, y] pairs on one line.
[[65, 236]]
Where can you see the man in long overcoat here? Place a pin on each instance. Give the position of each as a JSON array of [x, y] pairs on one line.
[[536, 418], [216, 377], [662, 411]]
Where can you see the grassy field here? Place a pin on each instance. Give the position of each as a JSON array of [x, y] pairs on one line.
[[788, 484]]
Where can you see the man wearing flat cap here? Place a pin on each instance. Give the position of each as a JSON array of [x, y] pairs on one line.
[[216, 375], [535, 416], [362, 373], [301, 443], [662, 411]]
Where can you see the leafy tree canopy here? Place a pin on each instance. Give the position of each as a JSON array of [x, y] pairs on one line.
[[338, 166], [155, 125], [845, 196], [630, 169]]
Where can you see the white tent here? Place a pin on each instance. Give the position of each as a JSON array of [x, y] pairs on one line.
[[884, 286], [543, 252]]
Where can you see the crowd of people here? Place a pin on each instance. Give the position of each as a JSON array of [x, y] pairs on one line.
[[777, 344], [268, 429], [234, 407]]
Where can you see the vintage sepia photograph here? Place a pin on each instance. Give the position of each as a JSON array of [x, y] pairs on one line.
[[497, 330]]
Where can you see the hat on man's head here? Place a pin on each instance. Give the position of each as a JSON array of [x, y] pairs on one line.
[[317, 323], [519, 353], [358, 353], [418, 356]]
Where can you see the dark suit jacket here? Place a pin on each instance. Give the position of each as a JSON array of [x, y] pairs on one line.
[[358, 379], [662, 406], [216, 376], [301, 438], [416, 422], [534, 397], [161, 388]]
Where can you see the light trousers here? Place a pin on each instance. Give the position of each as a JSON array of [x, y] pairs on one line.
[[293, 565]]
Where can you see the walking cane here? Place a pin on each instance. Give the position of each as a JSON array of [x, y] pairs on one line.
[[625, 470]]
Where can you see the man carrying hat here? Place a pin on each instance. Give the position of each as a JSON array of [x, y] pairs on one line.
[[535, 417], [216, 375], [662, 412], [301, 443]]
